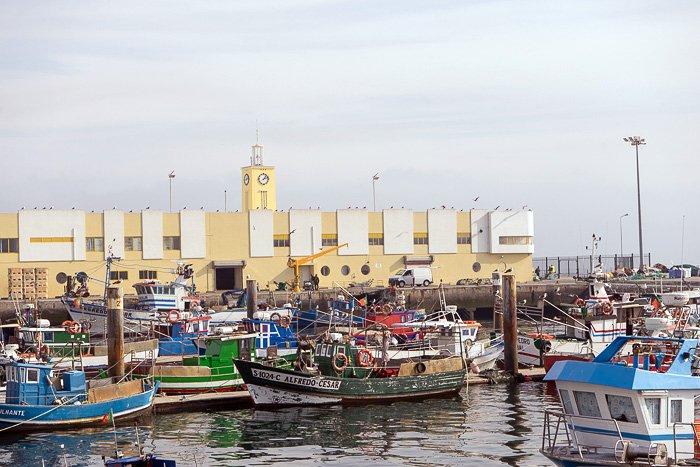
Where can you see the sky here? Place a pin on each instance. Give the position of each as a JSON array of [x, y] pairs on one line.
[[521, 104]]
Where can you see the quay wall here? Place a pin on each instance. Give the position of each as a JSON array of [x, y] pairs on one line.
[[467, 298]]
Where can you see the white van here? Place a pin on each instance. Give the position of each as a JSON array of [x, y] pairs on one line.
[[412, 276]]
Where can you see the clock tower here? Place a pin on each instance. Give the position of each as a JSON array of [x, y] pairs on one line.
[[258, 183]]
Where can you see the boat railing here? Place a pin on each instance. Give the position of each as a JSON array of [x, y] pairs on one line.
[[560, 436], [680, 434]]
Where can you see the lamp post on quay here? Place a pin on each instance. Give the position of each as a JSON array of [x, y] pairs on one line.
[[375, 177], [636, 141], [624, 215], [171, 176]]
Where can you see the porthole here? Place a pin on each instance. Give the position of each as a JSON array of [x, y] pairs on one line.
[[325, 270], [345, 270], [365, 269], [476, 267]]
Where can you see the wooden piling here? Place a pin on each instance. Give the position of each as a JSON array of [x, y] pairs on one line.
[[251, 297], [115, 331], [497, 293], [510, 325]]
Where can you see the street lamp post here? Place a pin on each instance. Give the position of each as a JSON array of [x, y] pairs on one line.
[[375, 177], [171, 176], [621, 250], [636, 141]]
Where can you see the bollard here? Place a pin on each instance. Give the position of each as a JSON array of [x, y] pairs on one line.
[[510, 325], [115, 331], [251, 297]]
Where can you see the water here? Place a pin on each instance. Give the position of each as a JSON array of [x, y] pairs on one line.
[[490, 426]]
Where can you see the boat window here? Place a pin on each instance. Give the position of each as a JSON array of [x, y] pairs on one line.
[[621, 408], [566, 401], [653, 406], [403, 318], [32, 375], [676, 412], [48, 336], [319, 348], [587, 404], [329, 347], [23, 372], [340, 349], [11, 373]]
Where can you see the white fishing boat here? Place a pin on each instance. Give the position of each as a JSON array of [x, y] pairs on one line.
[[633, 405]]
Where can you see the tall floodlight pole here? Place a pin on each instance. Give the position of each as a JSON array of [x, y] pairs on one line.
[[624, 215], [636, 141], [375, 177], [171, 176]]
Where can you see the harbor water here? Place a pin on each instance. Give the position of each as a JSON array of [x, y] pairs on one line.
[[486, 425]]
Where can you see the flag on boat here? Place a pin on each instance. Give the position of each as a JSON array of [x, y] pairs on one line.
[[77, 302], [107, 417]]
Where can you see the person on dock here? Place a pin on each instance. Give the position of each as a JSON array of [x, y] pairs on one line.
[[537, 272]]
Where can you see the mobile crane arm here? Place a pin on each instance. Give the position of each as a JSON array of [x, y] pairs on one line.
[[295, 263]]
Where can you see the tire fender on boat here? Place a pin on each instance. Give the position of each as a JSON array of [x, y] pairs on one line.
[[420, 367], [343, 358], [285, 321]]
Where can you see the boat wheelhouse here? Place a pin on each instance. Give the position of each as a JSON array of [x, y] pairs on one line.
[[634, 403]]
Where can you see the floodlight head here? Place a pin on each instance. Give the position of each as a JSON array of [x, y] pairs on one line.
[[626, 140]]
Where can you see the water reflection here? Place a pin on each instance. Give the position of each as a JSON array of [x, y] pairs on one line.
[[489, 426]]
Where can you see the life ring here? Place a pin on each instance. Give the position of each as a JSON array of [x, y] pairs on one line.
[[343, 358], [364, 357], [162, 316], [85, 326], [285, 321], [420, 367], [377, 309], [173, 316], [275, 318], [193, 304], [607, 308], [74, 327], [66, 324], [386, 309], [579, 302], [542, 336]]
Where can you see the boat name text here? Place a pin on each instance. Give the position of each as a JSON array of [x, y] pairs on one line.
[[297, 380]]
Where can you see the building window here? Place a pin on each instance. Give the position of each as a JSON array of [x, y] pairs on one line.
[[420, 238], [280, 240], [329, 240], [345, 270], [365, 269], [118, 275], [9, 245], [376, 239], [171, 243], [132, 243], [148, 274], [463, 238], [515, 240], [263, 200], [94, 244], [325, 270]]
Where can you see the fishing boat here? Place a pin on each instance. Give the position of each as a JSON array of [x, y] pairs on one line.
[[342, 373], [37, 397], [632, 405], [585, 328], [212, 372]]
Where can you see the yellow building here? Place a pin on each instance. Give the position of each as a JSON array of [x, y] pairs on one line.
[[225, 248]]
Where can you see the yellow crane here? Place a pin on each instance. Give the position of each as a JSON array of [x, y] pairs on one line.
[[295, 263]]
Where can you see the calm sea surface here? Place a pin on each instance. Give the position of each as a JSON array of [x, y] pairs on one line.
[[487, 426]]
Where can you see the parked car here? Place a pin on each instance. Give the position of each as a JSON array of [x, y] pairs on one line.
[[412, 276]]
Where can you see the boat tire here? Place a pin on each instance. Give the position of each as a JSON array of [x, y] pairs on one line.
[[285, 321], [420, 367]]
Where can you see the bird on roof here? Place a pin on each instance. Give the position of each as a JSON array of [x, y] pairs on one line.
[[496, 208], [443, 206], [476, 199], [524, 207], [508, 271]]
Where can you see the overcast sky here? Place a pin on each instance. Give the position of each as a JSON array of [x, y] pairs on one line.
[[516, 103]]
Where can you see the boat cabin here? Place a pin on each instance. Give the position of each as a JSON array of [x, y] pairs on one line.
[[29, 384], [639, 391]]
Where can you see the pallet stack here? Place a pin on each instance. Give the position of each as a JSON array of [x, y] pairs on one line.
[[28, 283], [14, 282]]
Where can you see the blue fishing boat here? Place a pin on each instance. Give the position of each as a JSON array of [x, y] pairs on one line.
[[632, 405], [38, 398]]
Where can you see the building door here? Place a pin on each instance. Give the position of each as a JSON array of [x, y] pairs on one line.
[[228, 275]]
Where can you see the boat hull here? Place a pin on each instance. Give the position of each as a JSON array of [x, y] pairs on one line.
[[48, 417], [270, 386]]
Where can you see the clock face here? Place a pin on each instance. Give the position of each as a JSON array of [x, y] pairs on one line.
[[263, 178], [246, 179]]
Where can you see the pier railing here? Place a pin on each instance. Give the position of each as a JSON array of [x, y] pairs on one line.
[[580, 266]]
